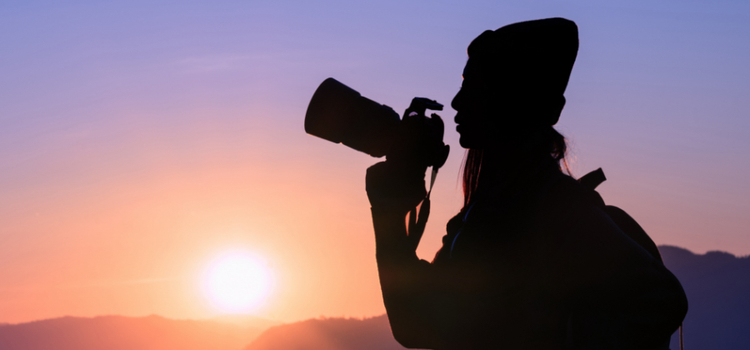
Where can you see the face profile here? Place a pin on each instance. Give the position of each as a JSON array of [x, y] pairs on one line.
[[473, 115]]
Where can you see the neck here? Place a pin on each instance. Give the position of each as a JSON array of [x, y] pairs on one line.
[[506, 165], [515, 163], [499, 169]]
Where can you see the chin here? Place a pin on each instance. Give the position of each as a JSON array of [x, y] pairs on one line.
[[469, 142]]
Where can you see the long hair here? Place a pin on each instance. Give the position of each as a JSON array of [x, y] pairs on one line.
[[553, 143], [471, 167]]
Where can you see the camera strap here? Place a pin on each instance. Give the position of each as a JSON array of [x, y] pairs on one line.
[[418, 221], [433, 176]]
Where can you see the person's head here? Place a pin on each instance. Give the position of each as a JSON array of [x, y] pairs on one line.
[[514, 81], [512, 92]]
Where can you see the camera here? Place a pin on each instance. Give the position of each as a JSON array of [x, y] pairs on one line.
[[340, 114]]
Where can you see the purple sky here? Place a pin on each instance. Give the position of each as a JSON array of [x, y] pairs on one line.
[[98, 96]]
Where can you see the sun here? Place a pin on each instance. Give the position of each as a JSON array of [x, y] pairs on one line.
[[237, 282]]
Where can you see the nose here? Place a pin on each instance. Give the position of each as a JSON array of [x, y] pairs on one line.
[[458, 101]]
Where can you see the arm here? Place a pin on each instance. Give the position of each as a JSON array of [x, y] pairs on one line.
[[411, 287], [403, 279]]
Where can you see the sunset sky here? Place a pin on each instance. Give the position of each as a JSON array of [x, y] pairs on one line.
[[143, 141]]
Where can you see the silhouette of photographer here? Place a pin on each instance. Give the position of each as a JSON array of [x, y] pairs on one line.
[[531, 261]]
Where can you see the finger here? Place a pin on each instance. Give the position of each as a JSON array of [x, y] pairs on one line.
[[439, 124], [376, 174]]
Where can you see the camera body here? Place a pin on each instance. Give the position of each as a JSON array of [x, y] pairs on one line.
[[340, 114]]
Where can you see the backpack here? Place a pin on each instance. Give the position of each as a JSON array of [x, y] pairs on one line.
[[625, 222]]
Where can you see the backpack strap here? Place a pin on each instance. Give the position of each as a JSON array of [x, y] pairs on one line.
[[593, 179], [625, 222]]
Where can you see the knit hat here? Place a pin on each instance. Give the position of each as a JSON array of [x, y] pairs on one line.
[[528, 61]]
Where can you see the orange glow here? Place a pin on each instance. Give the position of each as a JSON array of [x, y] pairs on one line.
[[237, 282], [133, 156]]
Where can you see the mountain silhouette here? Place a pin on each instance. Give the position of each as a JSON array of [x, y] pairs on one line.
[[717, 285], [125, 333], [329, 334], [245, 321]]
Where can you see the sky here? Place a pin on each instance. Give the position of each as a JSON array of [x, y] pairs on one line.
[[140, 141]]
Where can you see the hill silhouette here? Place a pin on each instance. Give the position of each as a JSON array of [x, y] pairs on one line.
[[125, 333], [245, 321], [717, 285], [329, 334]]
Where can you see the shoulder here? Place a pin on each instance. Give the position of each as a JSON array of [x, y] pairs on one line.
[[573, 207], [584, 240]]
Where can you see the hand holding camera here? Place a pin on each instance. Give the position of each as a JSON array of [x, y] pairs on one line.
[[419, 139], [395, 187]]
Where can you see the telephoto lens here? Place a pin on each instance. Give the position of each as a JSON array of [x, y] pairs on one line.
[[340, 114]]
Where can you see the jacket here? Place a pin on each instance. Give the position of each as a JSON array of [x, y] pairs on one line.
[[537, 266]]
